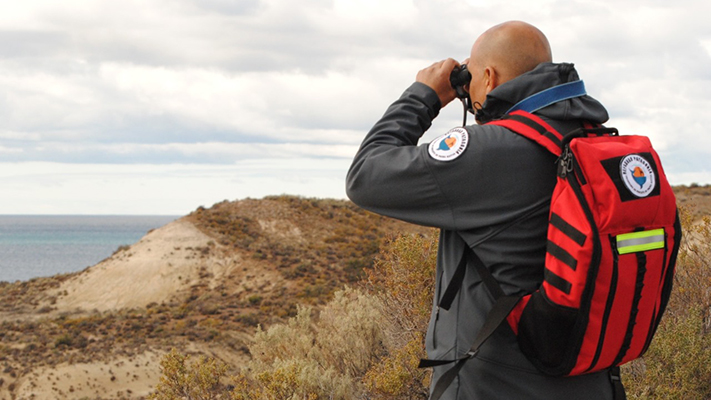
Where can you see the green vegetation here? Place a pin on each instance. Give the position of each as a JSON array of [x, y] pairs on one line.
[[678, 363], [364, 343], [313, 247], [372, 351], [319, 245], [305, 358], [309, 337], [182, 379], [320, 358]]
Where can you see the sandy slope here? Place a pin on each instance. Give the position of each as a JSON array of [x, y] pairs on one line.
[[175, 264], [122, 377], [163, 265], [158, 267]]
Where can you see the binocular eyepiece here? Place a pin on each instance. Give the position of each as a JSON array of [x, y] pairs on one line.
[[459, 78]]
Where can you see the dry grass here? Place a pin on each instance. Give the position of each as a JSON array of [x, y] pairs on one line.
[[678, 363], [316, 247]]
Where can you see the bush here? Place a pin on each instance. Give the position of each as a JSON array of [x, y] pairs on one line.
[[181, 379], [321, 358], [292, 379], [397, 376], [403, 278], [366, 344], [362, 345], [678, 363], [64, 340], [121, 248]]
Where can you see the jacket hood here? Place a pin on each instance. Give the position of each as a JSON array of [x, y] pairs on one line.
[[544, 76]]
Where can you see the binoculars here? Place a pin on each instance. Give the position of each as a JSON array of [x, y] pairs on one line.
[[460, 77]]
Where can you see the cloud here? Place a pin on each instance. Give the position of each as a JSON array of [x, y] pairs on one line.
[[160, 189], [177, 153], [217, 82], [191, 71]]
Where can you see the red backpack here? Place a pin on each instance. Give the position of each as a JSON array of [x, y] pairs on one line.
[[613, 238]]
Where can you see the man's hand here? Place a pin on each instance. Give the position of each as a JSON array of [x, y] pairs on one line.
[[436, 76]]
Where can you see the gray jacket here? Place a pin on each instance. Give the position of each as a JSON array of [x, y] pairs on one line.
[[493, 196]]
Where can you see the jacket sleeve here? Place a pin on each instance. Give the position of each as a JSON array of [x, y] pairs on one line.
[[390, 174]]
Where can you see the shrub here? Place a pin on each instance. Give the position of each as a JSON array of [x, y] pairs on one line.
[[290, 380], [366, 344], [397, 375], [403, 278], [181, 379], [308, 359], [121, 248], [362, 345], [64, 340], [678, 363]]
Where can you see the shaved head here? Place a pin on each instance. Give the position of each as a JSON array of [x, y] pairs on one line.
[[502, 53], [511, 49]]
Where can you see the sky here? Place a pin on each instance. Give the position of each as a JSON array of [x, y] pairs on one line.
[[159, 107]]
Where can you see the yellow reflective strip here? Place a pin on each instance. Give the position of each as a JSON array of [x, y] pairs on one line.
[[636, 242]]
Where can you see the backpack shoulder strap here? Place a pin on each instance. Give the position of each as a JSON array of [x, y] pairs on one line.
[[533, 128], [502, 307]]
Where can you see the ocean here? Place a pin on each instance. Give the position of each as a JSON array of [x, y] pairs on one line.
[[34, 246]]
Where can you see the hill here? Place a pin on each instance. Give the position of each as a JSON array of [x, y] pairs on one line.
[[201, 284], [696, 198]]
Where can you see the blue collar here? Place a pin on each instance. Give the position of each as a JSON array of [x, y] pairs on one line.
[[550, 96]]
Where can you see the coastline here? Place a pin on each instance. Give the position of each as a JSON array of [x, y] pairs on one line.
[[36, 246]]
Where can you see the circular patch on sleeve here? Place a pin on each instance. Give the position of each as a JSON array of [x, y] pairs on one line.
[[450, 145], [637, 175]]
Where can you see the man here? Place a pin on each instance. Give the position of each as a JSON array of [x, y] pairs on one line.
[[487, 188]]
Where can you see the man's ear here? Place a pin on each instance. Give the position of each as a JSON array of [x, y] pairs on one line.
[[491, 79]]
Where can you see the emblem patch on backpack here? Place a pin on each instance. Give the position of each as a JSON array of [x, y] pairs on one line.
[[637, 175]]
